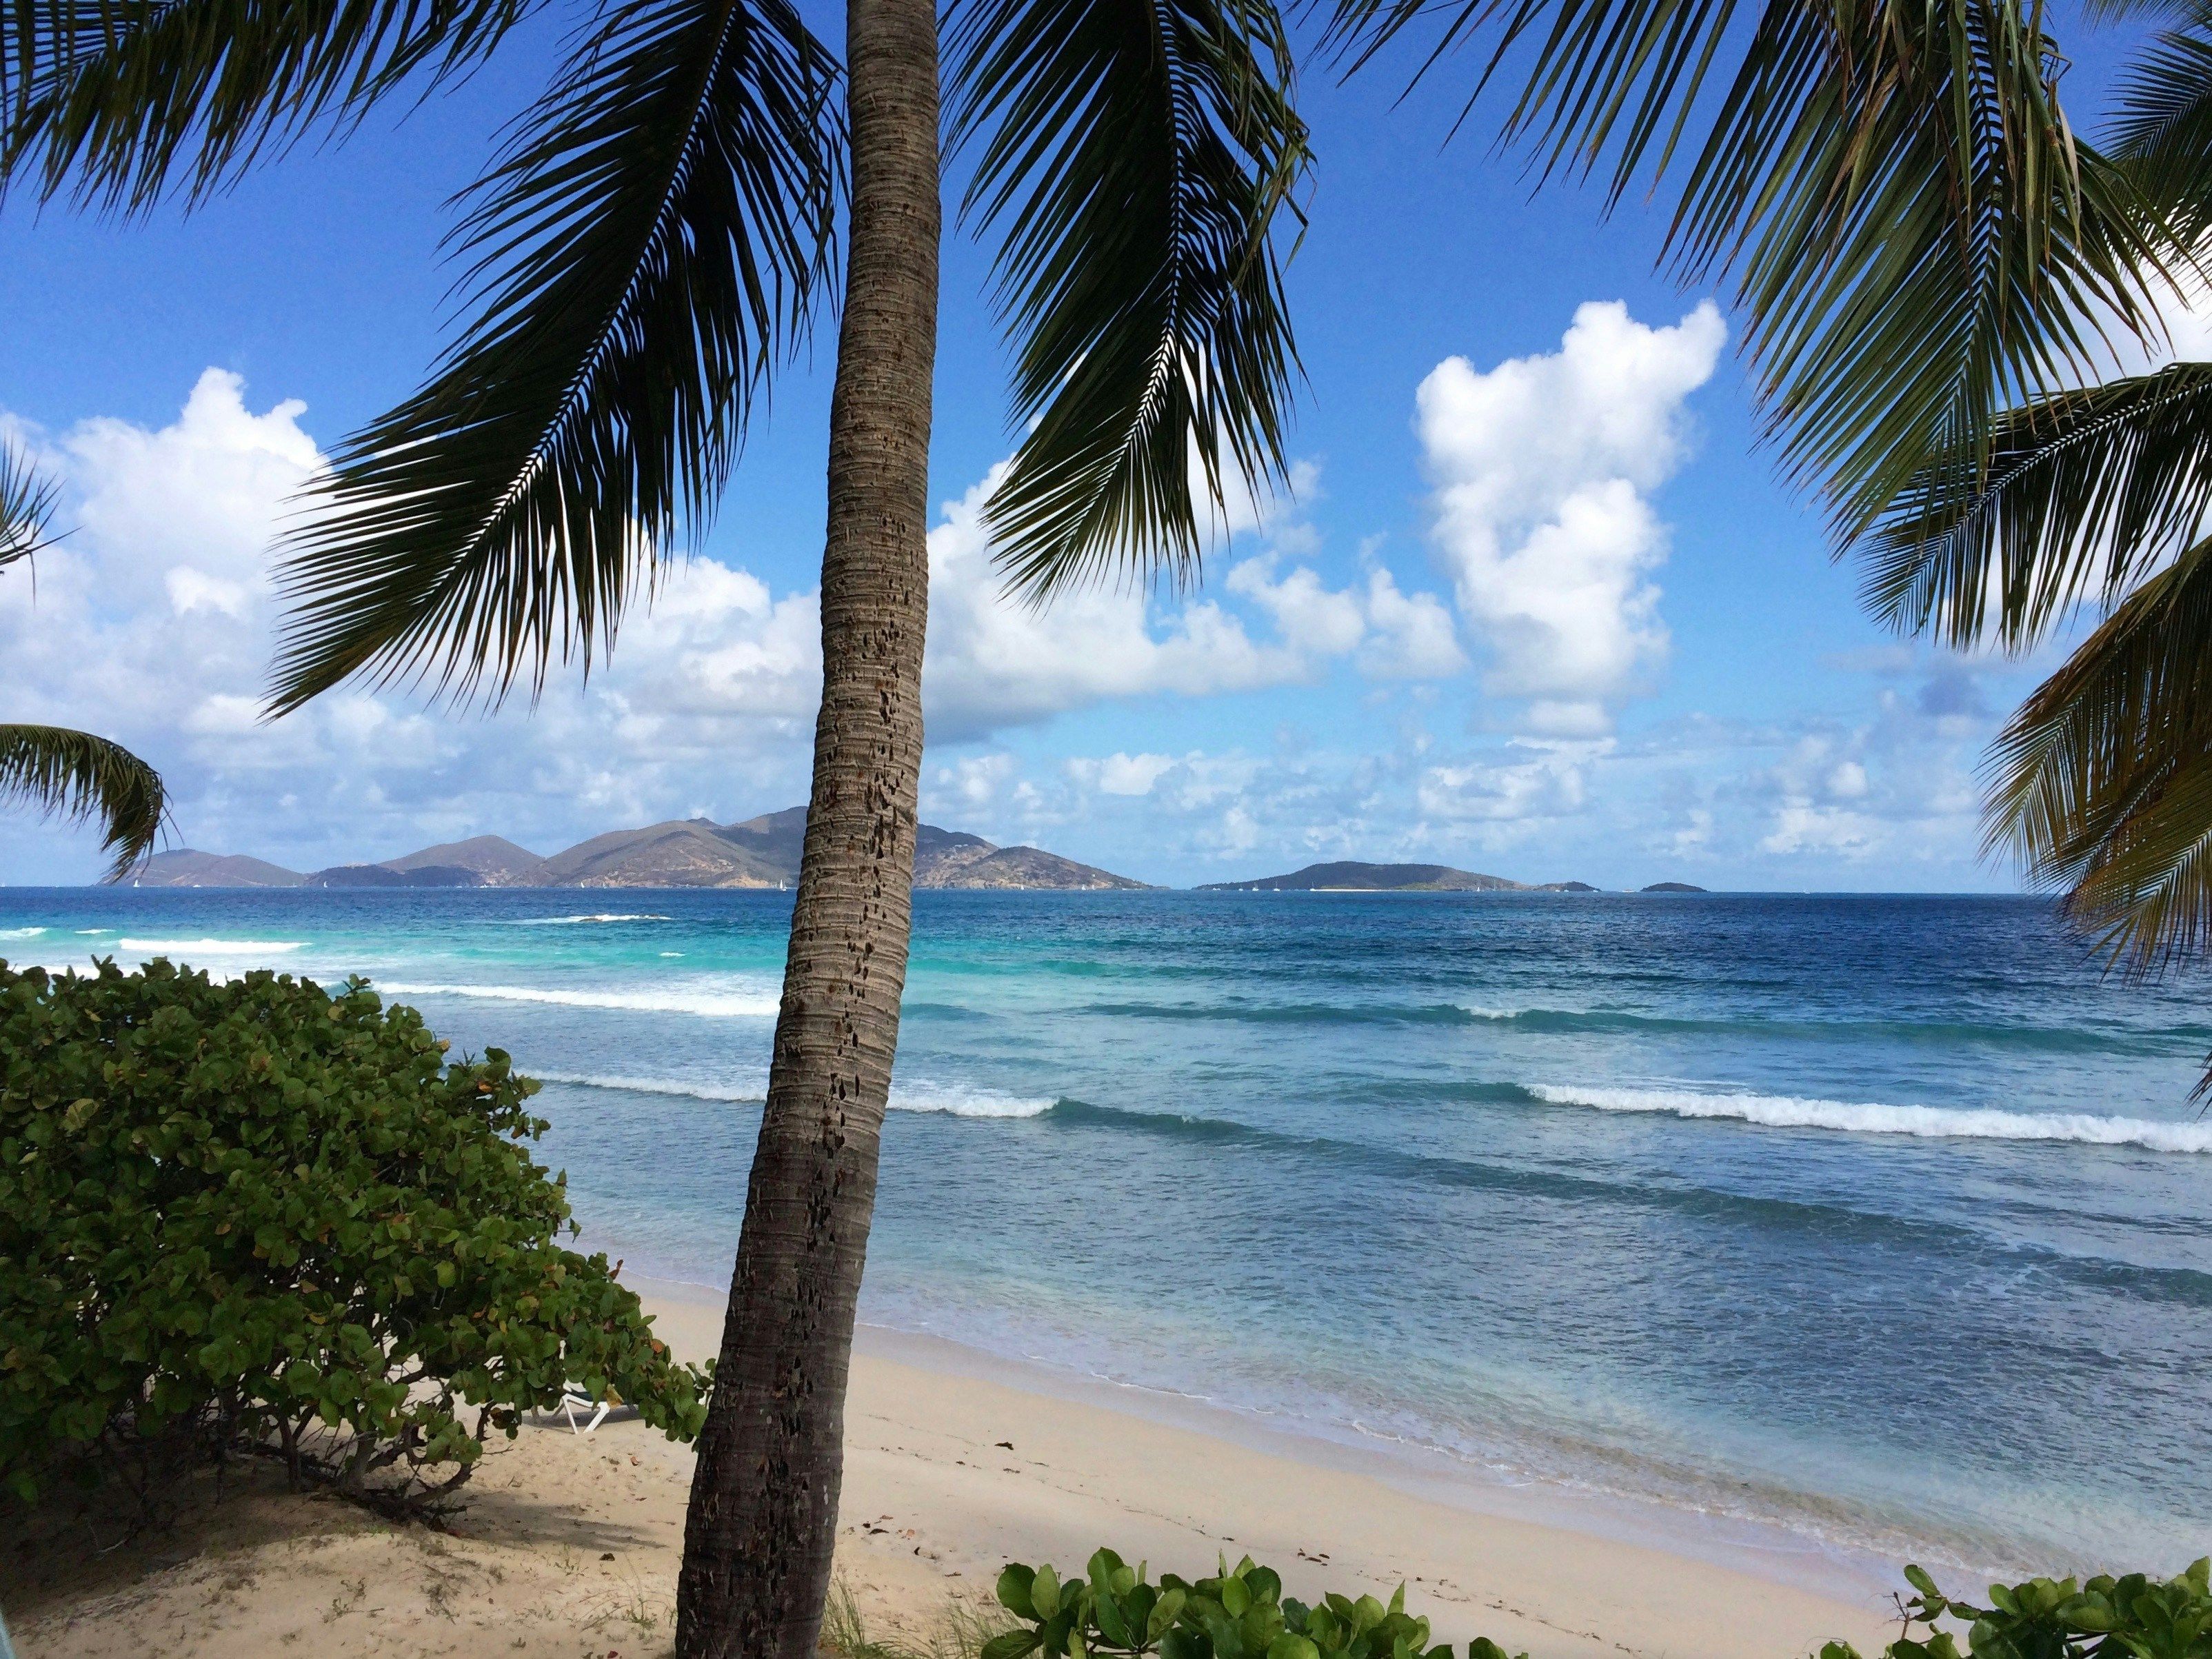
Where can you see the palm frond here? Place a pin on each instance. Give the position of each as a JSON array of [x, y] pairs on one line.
[[1134, 156], [648, 243], [1916, 234], [2162, 134], [79, 777], [118, 102], [2102, 782], [27, 503], [2081, 494]]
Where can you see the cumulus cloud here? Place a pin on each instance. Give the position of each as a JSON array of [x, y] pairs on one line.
[[1543, 469], [992, 664], [1120, 774], [1542, 780], [152, 622]]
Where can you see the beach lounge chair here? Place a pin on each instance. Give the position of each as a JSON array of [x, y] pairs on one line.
[[574, 1399]]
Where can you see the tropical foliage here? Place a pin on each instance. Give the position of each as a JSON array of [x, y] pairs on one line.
[[2135, 1617], [71, 774], [1235, 1612], [254, 1217], [650, 245], [2095, 496], [1932, 262]]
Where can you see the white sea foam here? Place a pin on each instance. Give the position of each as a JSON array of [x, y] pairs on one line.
[[1931, 1122], [751, 1096], [578, 921], [719, 1001], [956, 1099], [965, 1100], [21, 932], [210, 947], [93, 933]]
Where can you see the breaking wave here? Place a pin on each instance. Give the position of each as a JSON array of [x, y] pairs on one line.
[[578, 921], [1928, 1123], [954, 1099], [749, 1002], [211, 947]]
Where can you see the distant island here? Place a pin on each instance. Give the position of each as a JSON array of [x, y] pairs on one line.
[[1672, 887], [761, 852], [1347, 876]]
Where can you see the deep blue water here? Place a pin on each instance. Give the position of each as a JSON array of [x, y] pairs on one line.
[[1886, 1217]]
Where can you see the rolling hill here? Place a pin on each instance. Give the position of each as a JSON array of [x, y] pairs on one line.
[[760, 851]]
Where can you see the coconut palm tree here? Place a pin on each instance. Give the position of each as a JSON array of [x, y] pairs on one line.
[[1929, 262], [2101, 782], [72, 774], [649, 246]]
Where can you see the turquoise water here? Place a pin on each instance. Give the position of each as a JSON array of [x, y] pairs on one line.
[[1886, 1219]]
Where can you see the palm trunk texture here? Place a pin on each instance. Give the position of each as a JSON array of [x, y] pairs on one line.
[[763, 1511]]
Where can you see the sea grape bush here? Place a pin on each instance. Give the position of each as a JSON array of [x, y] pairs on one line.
[[1242, 1614], [258, 1216], [1238, 1613], [2132, 1617]]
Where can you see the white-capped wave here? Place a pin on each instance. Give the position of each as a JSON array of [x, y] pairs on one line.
[[965, 1100], [958, 1099], [211, 947], [707, 1002], [750, 1095], [21, 932], [93, 933], [1930, 1122], [578, 921]]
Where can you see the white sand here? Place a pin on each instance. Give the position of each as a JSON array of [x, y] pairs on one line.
[[570, 1544]]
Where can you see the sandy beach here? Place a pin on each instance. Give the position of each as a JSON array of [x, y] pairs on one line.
[[570, 1543]]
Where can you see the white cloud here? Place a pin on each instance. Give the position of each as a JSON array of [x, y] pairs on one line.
[[1542, 468], [152, 622], [1311, 618], [1413, 638], [1545, 781], [974, 781], [1120, 774], [994, 664], [1802, 827]]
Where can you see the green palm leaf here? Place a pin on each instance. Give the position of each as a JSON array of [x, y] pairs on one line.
[[82, 777], [2102, 782], [1916, 234], [27, 501], [2163, 131], [649, 242], [113, 99], [2081, 494], [1134, 154]]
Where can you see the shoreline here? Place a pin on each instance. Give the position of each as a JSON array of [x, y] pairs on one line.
[[1182, 1478], [1772, 1551]]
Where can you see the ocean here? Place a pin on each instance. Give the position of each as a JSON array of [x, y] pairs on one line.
[[1885, 1222]]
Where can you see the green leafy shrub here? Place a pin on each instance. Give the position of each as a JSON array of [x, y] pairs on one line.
[[255, 1216], [1239, 1614], [2130, 1618]]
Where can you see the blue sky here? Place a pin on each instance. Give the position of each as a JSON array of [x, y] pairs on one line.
[[1540, 604]]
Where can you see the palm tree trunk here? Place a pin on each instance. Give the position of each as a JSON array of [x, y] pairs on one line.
[[763, 1510]]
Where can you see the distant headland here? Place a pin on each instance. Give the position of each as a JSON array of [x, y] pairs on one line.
[[761, 852], [1349, 876]]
